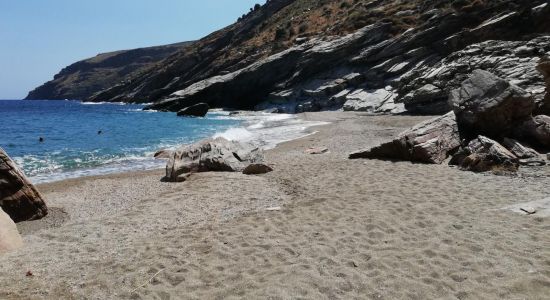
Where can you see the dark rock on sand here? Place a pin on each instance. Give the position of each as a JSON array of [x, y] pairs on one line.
[[197, 110], [18, 197], [428, 142], [256, 169], [536, 129], [484, 154], [211, 155], [10, 239], [486, 104]]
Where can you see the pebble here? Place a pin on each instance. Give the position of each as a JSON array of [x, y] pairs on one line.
[[528, 210]]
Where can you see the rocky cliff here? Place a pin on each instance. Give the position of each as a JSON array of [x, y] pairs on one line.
[[378, 56], [84, 78]]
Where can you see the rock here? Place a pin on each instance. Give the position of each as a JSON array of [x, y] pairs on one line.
[[320, 150], [428, 142], [484, 154], [503, 57], [544, 68], [367, 100], [10, 239], [528, 210], [486, 104], [211, 155], [197, 110], [163, 154], [256, 169], [536, 129], [526, 155], [18, 197], [519, 150]]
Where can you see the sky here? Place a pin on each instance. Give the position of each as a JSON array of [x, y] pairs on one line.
[[40, 37]]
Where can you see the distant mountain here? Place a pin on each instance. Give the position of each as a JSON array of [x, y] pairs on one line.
[[379, 56], [84, 78]]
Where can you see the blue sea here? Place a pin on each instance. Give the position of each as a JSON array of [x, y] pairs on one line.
[[84, 139], [72, 144]]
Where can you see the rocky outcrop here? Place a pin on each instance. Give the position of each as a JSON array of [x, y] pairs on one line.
[[370, 57], [484, 104], [83, 79], [487, 104], [515, 61], [197, 110], [9, 236], [429, 142], [219, 155], [483, 154], [18, 197]]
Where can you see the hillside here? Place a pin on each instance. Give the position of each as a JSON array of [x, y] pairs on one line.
[[84, 78], [379, 56]]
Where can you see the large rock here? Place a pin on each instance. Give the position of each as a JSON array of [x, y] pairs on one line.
[[486, 104], [18, 197], [536, 129], [428, 142], [211, 155], [9, 236], [197, 110], [544, 68], [484, 154]]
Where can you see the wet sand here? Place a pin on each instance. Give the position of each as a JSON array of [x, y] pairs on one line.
[[347, 229]]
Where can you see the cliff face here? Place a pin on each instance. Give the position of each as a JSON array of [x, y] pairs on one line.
[[379, 56], [84, 78]]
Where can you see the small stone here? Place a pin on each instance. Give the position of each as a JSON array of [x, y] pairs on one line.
[[528, 210], [320, 150], [256, 169]]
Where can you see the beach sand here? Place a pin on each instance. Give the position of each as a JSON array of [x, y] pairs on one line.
[[347, 229]]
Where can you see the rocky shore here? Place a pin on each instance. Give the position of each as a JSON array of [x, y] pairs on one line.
[[319, 227]]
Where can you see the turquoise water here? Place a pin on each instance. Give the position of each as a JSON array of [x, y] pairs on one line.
[[72, 146]]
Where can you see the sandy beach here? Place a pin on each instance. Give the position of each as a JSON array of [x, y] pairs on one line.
[[346, 229]]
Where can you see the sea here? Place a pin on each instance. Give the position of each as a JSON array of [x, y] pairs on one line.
[[56, 140]]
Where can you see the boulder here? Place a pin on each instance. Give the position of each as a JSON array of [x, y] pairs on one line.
[[484, 154], [536, 129], [9, 236], [256, 169], [197, 110], [428, 142], [163, 154], [526, 155], [211, 155], [18, 197], [486, 104]]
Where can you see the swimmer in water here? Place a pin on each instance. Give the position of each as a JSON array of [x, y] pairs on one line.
[[41, 140]]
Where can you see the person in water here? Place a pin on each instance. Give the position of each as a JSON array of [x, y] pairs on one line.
[[41, 140], [99, 132]]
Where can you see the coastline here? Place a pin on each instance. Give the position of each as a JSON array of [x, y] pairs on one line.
[[346, 229]]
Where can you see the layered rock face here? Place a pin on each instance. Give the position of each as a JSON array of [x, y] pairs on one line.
[[211, 155], [18, 197]]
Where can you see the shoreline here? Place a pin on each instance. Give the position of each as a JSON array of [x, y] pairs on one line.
[[345, 229]]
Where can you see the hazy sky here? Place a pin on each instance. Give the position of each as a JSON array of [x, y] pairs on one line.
[[39, 37]]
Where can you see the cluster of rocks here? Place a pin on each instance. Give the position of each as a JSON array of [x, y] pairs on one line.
[[494, 126], [19, 201], [374, 71], [215, 155]]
